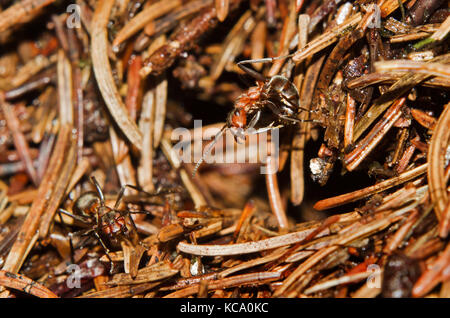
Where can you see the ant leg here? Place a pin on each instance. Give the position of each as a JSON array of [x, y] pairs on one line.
[[254, 120], [107, 251], [72, 260], [277, 112], [99, 190], [78, 218], [119, 197]]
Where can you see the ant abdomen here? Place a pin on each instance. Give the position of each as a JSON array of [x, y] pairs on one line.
[[286, 90], [87, 203]]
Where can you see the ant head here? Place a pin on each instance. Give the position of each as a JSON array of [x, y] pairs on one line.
[[237, 118]]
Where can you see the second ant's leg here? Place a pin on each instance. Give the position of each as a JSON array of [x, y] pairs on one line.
[[254, 120], [277, 112]]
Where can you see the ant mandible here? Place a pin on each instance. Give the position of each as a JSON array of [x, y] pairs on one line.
[[276, 94]]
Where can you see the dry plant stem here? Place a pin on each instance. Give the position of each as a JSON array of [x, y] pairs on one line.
[[338, 281], [160, 111], [172, 19], [122, 291], [395, 241], [433, 69], [349, 121], [288, 31], [258, 41], [273, 192], [382, 77], [59, 191], [222, 7], [21, 12], [64, 70], [325, 39], [103, 74], [239, 280], [32, 68], [195, 193], [389, 6], [145, 170], [433, 276], [155, 272], [368, 143], [24, 284], [436, 179], [254, 262], [233, 43], [443, 30], [248, 247], [144, 17], [28, 232], [364, 193], [246, 214], [423, 118], [345, 238], [399, 88], [298, 141], [20, 141]]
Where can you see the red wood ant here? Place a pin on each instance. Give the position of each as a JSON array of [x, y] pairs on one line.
[[110, 226], [276, 94]]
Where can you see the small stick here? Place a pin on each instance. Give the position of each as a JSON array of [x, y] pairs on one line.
[[432, 276], [21, 12], [222, 8], [246, 248], [347, 237], [368, 143], [239, 280], [436, 179], [20, 142], [144, 17], [349, 121], [363, 193], [24, 284], [274, 195], [426, 68], [28, 235], [103, 74]]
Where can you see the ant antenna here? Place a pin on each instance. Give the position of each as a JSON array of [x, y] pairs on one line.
[[208, 149], [99, 190], [257, 76]]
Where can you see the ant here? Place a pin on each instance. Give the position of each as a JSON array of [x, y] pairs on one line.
[[276, 94], [104, 222]]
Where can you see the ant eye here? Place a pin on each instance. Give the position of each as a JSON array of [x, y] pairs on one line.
[[237, 113]]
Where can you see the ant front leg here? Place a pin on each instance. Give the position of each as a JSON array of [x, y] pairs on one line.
[[107, 251], [254, 120], [278, 113]]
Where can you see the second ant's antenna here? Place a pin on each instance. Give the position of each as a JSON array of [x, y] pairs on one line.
[[208, 149]]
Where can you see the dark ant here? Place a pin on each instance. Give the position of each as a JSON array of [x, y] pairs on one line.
[[105, 222], [276, 94]]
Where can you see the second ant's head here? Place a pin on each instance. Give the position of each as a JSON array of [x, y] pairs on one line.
[[237, 118]]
